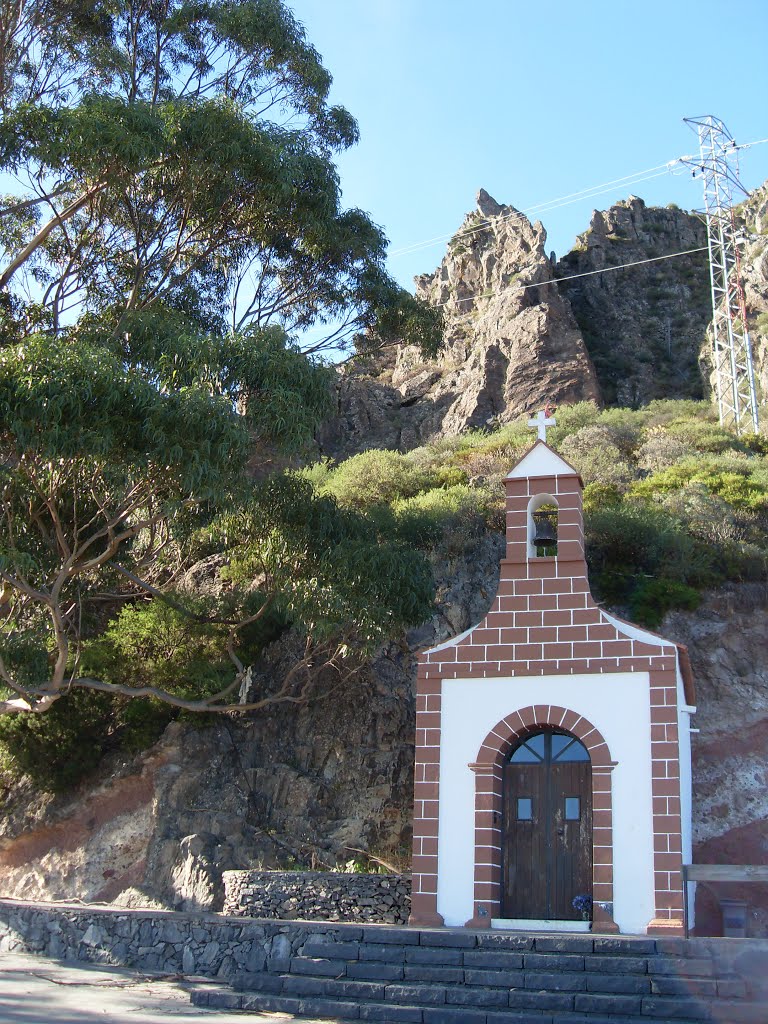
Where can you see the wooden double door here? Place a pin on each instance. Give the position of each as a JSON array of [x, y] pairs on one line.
[[547, 848]]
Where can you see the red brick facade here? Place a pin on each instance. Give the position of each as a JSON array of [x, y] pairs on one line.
[[544, 622]]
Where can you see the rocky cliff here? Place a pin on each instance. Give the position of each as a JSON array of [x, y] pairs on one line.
[[511, 344], [754, 218], [514, 340], [643, 325]]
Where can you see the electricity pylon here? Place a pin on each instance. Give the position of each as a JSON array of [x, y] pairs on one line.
[[732, 350]]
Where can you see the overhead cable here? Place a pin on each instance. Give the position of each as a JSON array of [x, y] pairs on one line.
[[573, 277], [574, 197]]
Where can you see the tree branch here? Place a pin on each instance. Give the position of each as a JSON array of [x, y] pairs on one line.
[[44, 232]]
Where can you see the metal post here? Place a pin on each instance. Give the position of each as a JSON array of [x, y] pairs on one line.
[[732, 351]]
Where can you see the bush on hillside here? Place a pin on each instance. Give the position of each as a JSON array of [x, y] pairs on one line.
[[630, 544], [739, 481], [704, 436], [456, 515], [593, 452], [373, 477], [60, 748], [660, 450]]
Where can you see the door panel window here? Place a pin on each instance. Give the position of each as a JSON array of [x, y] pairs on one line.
[[524, 808]]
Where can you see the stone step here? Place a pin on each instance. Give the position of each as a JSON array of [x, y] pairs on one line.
[[446, 976], [386, 962], [541, 994], [345, 1010]]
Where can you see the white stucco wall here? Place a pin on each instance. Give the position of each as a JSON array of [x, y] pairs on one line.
[[619, 707]]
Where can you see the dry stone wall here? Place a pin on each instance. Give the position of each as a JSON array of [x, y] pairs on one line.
[[168, 942], [317, 896]]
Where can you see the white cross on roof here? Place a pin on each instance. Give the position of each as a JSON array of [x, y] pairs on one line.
[[541, 421]]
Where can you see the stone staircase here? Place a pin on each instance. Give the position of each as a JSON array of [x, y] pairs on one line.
[[457, 976]]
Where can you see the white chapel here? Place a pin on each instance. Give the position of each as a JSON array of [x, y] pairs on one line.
[[553, 766]]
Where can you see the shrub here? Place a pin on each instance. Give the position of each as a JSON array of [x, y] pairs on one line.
[[626, 428], [598, 496], [506, 441], [629, 544], [664, 410], [661, 450], [652, 599], [571, 418], [732, 479], [704, 436], [63, 746], [374, 476], [455, 514], [592, 451]]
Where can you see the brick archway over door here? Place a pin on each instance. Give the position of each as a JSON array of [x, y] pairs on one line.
[[489, 774]]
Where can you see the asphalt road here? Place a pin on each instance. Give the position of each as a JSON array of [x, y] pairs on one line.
[[35, 990]]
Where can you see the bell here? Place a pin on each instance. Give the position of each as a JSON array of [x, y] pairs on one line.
[[545, 532]]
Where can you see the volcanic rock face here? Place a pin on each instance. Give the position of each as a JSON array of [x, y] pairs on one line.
[[726, 638], [754, 268], [644, 326], [511, 344]]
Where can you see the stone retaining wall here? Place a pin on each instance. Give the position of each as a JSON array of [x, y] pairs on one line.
[[169, 942], [318, 896], [216, 946]]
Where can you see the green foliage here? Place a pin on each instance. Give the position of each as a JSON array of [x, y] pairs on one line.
[[592, 452], [651, 600], [452, 516], [373, 477], [152, 643], [599, 496], [570, 419], [331, 571], [731, 479], [60, 748], [704, 436], [153, 370], [173, 184], [628, 545]]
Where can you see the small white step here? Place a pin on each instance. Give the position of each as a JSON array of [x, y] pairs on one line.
[[519, 924]]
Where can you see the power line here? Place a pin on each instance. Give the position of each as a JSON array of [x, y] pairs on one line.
[[574, 197], [573, 277]]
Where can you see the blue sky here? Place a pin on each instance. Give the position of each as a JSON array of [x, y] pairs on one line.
[[532, 102]]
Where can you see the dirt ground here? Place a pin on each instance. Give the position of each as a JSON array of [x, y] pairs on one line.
[[35, 990]]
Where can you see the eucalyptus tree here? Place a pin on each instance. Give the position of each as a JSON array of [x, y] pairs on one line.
[[176, 213]]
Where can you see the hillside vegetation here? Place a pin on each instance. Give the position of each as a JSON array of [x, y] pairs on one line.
[[673, 502]]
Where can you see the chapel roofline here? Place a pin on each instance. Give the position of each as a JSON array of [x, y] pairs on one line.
[[542, 476]]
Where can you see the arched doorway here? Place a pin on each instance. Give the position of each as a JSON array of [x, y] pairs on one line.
[[547, 816]]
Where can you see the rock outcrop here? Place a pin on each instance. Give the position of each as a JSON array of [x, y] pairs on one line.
[[511, 344], [754, 267], [644, 326], [726, 638]]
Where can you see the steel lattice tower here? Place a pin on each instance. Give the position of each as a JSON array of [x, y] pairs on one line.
[[732, 350]]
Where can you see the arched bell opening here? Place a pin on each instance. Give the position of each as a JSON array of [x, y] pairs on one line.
[[542, 526], [547, 827]]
